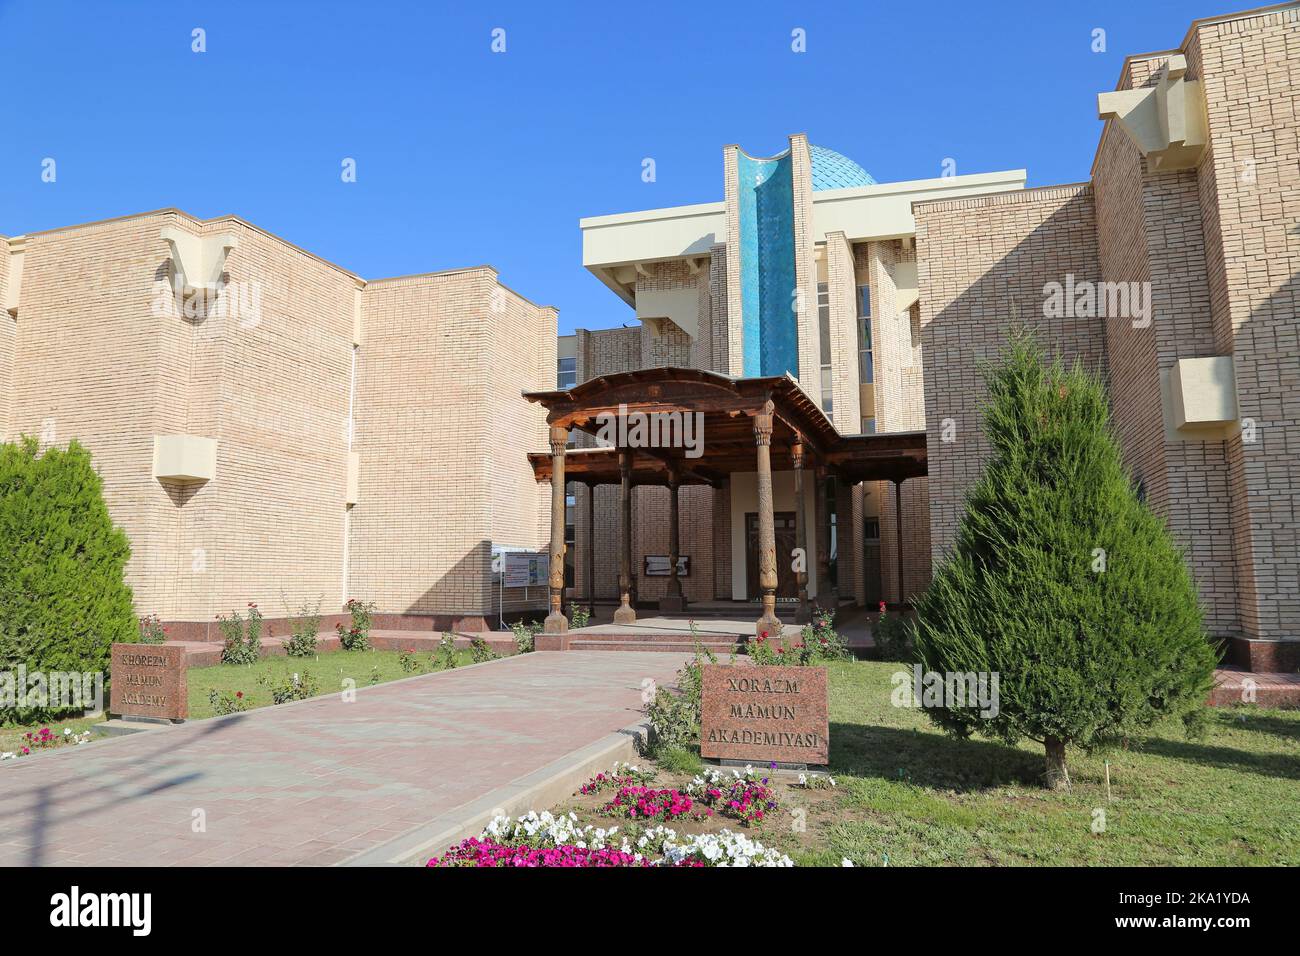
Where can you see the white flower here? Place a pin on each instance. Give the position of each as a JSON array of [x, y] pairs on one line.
[[846, 862], [803, 780], [725, 848], [66, 731]]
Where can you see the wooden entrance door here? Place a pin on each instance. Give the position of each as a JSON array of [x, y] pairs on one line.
[[786, 585]]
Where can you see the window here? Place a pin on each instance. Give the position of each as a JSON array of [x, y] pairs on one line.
[[566, 373], [570, 538], [868, 426], [824, 328], [824, 320], [866, 372]]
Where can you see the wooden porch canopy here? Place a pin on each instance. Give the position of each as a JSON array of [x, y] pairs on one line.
[[726, 439], [675, 426], [896, 456]]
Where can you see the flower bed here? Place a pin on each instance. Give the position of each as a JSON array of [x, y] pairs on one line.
[[738, 796], [546, 840], [620, 775], [489, 853], [45, 739], [643, 803]]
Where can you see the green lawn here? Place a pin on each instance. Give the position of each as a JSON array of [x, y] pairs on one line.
[[1230, 799], [330, 670], [907, 795]]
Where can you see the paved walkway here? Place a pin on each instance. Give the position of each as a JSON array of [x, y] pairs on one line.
[[320, 781]]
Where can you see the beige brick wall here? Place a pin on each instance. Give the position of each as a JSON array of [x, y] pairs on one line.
[[720, 351], [841, 282], [87, 366], [1149, 226], [103, 353], [900, 407], [1250, 192], [982, 264], [443, 360], [103, 360], [8, 343], [805, 270]]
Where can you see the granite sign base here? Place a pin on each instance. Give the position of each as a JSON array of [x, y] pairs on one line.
[[149, 682], [761, 715], [779, 766]]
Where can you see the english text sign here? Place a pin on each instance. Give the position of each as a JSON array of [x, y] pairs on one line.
[[149, 680]]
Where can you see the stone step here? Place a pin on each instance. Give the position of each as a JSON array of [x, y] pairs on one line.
[[683, 647], [668, 636]]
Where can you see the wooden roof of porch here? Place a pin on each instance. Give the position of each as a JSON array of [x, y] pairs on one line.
[[726, 407]]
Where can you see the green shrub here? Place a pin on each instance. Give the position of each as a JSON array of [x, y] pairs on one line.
[[224, 702], [1061, 581], [821, 642], [293, 687], [579, 615], [306, 627], [481, 652], [152, 630], [679, 760], [818, 643], [63, 596], [675, 717], [525, 635], [893, 637], [356, 637], [241, 636], [446, 654], [409, 663]]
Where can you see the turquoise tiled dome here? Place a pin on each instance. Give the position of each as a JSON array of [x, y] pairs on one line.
[[830, 170]]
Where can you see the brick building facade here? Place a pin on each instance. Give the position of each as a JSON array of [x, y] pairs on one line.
[[1191, 207], [273, 428]]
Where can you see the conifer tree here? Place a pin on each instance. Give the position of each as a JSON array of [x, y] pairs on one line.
[[63, 597], [1061, 581]]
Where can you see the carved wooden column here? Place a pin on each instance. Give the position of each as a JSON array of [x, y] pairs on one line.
[[804, 614], [625, 613], [823, 536], [768, 622], [591, 548], [674, 600], [556, 622]]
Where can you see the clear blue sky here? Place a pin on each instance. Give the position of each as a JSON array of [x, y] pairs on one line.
[[467, 157]]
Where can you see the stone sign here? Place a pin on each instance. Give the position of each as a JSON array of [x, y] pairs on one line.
[[148, 681], [764, 714]]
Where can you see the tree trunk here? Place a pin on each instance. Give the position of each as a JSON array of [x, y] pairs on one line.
[[1058, 778]]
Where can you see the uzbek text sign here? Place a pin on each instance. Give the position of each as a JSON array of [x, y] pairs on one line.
[[149, 680], [763, 714]]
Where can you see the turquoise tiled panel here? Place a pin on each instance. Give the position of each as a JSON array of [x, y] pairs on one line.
[[766, 192]]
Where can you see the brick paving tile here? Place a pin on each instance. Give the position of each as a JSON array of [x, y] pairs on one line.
[[318, 782]]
